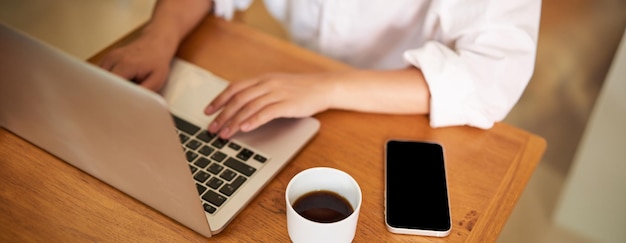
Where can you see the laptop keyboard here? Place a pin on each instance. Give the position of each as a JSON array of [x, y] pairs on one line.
[[219, 167]]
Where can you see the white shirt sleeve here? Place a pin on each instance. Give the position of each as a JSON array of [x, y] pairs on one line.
[[477, 77], [226, 8]]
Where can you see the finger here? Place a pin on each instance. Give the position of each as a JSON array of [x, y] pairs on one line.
[[125, 73], [155, 81], [108, 61], [229, 111], [265, 115], [235, 103], [251, 108], [226, 95]]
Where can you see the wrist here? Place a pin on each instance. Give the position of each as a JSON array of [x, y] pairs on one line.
[[159, 40], [335, 87]]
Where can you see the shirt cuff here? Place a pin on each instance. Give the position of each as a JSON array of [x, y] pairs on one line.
[[226, 8], [454, 100]]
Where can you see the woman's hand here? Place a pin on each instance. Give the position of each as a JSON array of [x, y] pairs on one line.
[[248, 104], [145, 61]]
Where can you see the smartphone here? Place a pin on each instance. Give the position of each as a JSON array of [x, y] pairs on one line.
[[416, 191]]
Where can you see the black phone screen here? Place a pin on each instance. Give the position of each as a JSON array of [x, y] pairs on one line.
[[416, 188]]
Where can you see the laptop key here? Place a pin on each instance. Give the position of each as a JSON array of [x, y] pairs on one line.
[[215, 168], [245, 154], [214, 198], [193, 144], [239, 166], [260, 158], [205, 136], [201, 176], [228, 175], [185, 126], [208, 208], [183, 138], [229, 189], [202, 162], [219, 142], [214, 183], [200, 188], [191, 156], [193, 169], [238, 182], [234, 146], [218, 156], [206, 150]]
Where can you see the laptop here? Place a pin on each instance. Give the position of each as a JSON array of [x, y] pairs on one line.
[[153, 147]]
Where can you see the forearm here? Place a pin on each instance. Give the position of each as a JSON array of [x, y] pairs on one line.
[[401, 91], [172, 20]]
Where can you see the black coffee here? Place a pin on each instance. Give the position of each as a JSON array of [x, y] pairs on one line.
[[323, 206]]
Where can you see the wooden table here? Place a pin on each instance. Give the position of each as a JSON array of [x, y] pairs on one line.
[[44, 199]]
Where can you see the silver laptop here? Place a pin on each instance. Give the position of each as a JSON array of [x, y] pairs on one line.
[[154, 147]]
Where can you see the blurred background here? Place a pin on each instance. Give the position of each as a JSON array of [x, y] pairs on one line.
[[578, 191]]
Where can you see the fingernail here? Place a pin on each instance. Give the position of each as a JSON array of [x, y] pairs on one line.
[[213, 127], [209, 109], [245, 127], [224, 133]]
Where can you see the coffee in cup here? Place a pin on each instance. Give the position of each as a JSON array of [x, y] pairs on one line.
[[322, 206]]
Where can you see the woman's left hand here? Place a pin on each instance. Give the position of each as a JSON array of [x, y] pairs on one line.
[[248, 104]]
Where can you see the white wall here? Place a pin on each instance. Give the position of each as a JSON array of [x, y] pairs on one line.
[[593, 202]]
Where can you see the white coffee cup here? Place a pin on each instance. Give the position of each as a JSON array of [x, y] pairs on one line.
[[301, 229]]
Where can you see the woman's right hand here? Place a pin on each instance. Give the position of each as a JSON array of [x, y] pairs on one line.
[[144, 61]]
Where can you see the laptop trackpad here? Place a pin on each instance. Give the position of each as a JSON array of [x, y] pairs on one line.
[[190, 89]]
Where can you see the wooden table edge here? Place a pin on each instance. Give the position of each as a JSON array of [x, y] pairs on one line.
[[524, 166]]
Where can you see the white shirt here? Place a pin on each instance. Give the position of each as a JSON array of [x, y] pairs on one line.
[[477, 56]]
